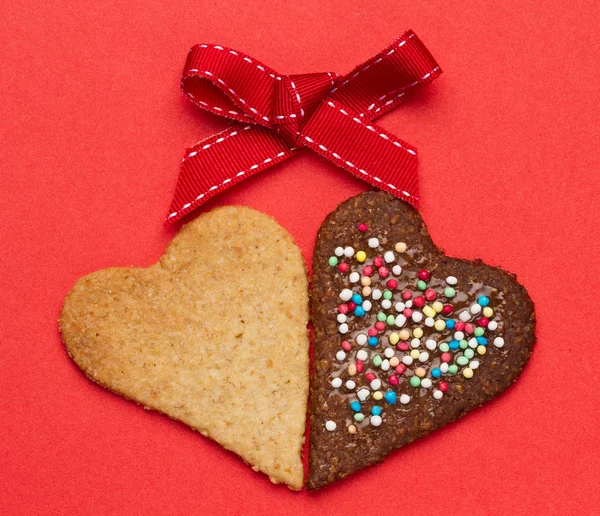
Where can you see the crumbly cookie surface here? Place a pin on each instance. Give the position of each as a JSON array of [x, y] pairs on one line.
[[214, 335], [406, 338]]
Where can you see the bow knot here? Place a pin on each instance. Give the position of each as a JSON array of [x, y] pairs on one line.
[[278, 114]]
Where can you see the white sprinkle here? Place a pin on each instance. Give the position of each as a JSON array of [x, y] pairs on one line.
[[386, 304], [373, 243], [376, 420], [336, 383], [473, 343], [492, 325], [341, 318], [366, 305], [474, 364], [498, 342], [431, 344], [400, 320], [424, 356], [429, 322], [376, 294], [362, 355], [376, 384], [459, 335], [339, 251], [361, 339], [437, 394], [451, 280], [385, 365], [363, 394], [330, 425], [399, 306], [408, 303], [396, 270], [340, 355], [389, 352], [417, 316], [346, 294], [343, 329], [475, 308], [354, 277], [349, 252], [464, 316], [407, 360], [350, 385], [404, 399], [389, 257], [444, 367], [426, 383], [415, 343]]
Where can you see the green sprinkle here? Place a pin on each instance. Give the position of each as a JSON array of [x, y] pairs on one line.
[[381, 317], [390, 320], [415, 381], [469, 353], [453, 369], [462, 361], [387, 294], [444, 347], [421, 285], [376, 360], [358, 417], [449, 292], [463, 344], [333, 261], [479, 332]]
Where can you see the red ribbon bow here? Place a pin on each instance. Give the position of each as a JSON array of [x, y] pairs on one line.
[[279, 115]]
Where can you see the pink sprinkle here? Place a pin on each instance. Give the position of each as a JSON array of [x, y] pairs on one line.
[[447, 309], [343, 308], [403, 346], [400, 369], [351, 305], [372, 332], [394, 379], [446, 357], [483, 321], [443, 386], [406, 295], [383, 272], [343, 267], [407, 312], [430, 294], [460, 326], [346, 346], [378, 261], [367, 270], [359, 366], [380, 325], [370, 376], [362, 227], [469, 328], [392, 284]]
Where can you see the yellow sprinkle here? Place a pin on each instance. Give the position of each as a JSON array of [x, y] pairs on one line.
[[365, 281], [415, 354], [437, 306], [400, 247], [428, 311], [420, 372], [439, 325], [417, 333], [377, 395], [352, 429], [361, 256], [394, 338], [351, 369], [481, 350], [394, 361], [488, 312], [468, 372], [366, 291]]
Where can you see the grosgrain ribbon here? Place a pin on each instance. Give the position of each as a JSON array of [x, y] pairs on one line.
[[279, 115]]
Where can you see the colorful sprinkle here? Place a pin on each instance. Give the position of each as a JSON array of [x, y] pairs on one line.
[[330, 425], [361, 256], [362, 227]]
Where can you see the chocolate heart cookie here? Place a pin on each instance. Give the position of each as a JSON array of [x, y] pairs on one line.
[[406, 338]]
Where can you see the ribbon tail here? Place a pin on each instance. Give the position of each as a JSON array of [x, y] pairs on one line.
[[364, 149], [219, 162]]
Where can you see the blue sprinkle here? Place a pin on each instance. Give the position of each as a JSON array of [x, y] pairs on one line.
[[483, 300], [376, 410], [454, 344], [482, 341], [390, 397], [435, 372], [359, 311], [450, 324], [357, 299], [355, 406], [373, 341]]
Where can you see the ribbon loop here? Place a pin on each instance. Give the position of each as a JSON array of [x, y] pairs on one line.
[[280, 114]]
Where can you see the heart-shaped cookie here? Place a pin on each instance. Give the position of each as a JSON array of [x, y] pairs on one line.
[[406, 338], [213, 335]]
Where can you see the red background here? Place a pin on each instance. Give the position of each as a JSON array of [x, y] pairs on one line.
[[93, 130]]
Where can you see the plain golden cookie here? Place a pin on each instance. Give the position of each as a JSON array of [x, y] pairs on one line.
[[214, 335]]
